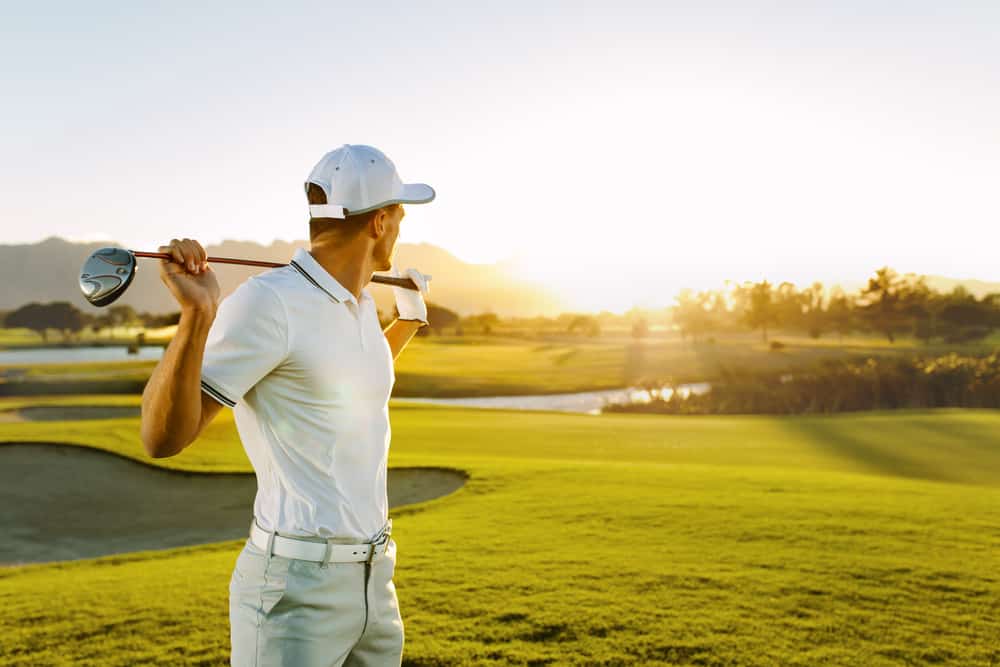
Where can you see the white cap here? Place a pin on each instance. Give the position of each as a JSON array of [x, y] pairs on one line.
[[357, 179]]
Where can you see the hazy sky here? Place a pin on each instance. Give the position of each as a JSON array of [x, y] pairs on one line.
[[620, 151]]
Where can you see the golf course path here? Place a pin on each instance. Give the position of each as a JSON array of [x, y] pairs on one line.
[[64, 502]]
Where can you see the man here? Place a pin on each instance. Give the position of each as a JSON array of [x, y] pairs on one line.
[[300, 356]]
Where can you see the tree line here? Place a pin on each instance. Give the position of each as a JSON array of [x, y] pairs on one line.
[[69, 320], [889, 305]]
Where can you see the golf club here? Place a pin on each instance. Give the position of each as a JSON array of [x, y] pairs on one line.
[[108, 272]]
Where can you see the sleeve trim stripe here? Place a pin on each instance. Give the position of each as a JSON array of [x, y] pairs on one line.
[[216, 394]]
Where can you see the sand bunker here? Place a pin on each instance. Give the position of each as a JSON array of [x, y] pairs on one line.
[[60, 502], [53, 413]]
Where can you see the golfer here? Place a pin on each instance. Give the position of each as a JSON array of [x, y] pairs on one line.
[[299, 354]]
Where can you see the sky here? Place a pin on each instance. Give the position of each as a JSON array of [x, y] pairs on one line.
[[616, 151]]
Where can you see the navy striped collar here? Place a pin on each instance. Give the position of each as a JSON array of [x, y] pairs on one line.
[[314, 272]]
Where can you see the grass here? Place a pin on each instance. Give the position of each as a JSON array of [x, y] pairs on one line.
[[859, 539], [450, 366]]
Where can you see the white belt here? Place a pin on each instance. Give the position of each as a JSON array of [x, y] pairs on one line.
[[320, 552]]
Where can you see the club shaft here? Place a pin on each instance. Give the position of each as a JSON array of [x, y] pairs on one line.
[[385, 280]]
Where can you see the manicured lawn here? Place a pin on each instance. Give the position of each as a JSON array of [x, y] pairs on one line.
[[854, 539], [454, 366]]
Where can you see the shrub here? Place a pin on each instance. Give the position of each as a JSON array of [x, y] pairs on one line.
[[834, 385]]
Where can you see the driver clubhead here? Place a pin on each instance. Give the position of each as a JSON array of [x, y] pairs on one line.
[[106, 275]]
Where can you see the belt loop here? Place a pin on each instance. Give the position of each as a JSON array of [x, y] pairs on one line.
[[270, 545], [326, 555]]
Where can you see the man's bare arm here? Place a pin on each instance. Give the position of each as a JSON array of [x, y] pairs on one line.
[[174, 408], [399, 334]]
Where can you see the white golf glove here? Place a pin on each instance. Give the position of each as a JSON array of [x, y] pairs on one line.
[[410, 303]]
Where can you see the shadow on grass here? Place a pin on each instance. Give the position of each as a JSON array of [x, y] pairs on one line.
[[982, 438], [894, 456]]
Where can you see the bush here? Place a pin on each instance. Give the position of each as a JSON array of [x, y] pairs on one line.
[[846, 385], [967, 334]]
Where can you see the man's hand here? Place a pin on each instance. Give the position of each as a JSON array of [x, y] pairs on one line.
[[188, 276], [410, 303], [174, 409]]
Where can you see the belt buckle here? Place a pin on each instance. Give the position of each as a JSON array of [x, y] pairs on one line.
[[373, 549]]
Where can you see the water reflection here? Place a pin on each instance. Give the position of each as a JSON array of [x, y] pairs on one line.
[[587, 402], [69, 355]]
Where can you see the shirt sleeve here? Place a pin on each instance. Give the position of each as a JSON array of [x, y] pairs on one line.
[[247, 340]]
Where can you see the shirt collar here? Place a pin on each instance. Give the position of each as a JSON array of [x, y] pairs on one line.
[[314, 272]]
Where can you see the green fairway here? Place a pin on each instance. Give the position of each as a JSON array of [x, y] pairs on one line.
[[467, 366], [854, 539]]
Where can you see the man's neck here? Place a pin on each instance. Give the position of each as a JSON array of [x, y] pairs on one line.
[[351, 266]]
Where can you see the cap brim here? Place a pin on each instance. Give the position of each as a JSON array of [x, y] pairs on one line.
[[416, 193], [412, 193]]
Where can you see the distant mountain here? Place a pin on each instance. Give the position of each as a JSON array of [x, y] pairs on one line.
[[49, 271], [942, 284], [978, 288]]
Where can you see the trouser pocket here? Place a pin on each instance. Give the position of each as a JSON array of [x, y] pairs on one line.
[[385, 604], [258, 584]]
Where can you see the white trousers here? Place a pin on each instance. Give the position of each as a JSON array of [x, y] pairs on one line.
[[286, 611]]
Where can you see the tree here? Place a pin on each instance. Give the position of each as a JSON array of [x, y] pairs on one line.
[[30, 316], [485, 321], [718, 315], [968, 313], [39, 317], [65, 317], [788, 306], [439, 317], [152, 321], [917, 303], [965, 318], [882, 305], [117, 316], [840, 313], [587, 323], [760, 311], [122, 315], [692, 313], [992, 301], [813, 315]]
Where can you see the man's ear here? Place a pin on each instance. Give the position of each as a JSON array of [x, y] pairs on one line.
[[377, 226]]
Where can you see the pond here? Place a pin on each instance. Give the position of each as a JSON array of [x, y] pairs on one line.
[[588, 402]]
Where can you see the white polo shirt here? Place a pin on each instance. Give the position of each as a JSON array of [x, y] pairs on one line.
[[308, 373]]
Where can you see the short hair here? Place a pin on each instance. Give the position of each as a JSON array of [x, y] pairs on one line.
[[344, 229]]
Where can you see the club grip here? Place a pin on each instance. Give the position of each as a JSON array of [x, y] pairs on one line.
[[398, 282]]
